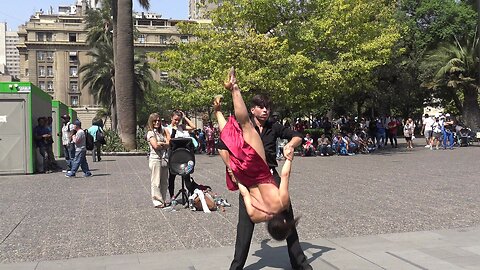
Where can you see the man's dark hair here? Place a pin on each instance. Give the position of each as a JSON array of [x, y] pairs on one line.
[[279, 227], [261, 100]]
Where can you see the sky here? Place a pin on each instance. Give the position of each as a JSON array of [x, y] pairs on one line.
[[18, 12]]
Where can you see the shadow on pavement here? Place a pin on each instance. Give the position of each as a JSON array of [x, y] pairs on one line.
[[277, 257]]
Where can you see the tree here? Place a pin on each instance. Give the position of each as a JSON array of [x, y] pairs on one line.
[[425, 24], [301, 53], [457, 73], [99, 25], [99, 76], [124, 71]]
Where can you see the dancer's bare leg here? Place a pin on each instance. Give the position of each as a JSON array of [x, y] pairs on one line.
[[250, 135]]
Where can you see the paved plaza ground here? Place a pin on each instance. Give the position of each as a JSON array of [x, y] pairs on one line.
[[397, 203]]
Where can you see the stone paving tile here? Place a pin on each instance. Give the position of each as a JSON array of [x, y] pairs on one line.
[[386, 192]]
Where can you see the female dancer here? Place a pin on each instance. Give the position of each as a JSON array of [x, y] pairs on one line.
[[247, 169]]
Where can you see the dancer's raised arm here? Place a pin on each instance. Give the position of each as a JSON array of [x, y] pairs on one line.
[[255, 215]]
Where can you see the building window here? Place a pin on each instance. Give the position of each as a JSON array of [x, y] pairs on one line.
[[73, 71], [184, 39], [72, 37], [50, 86], [27, 73], [41, 84], [141, 38], [162, 39], [72, 56], [74, 101], [41, 71], [44, 36], [50, 71], [74, 87], [49, 55], [41, 36], [41, 55]]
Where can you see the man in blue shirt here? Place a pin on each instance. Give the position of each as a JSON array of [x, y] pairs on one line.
[[97, 145]]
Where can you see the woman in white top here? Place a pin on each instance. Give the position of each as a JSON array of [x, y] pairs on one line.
[[178, 129], [159, 141]]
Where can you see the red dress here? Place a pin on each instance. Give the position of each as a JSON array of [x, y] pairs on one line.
[[247, 166]]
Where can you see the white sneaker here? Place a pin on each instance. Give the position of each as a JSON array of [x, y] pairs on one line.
[[427, 146]]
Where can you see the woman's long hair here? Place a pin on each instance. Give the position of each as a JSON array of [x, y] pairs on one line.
[[279, 227], [151, 118]]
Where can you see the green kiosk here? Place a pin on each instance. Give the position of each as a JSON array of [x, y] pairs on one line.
[[21, 103], [72, 113], [58, 109]]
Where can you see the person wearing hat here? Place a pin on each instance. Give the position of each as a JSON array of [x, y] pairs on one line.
[[68, 146], [80, 159], [448, 130]]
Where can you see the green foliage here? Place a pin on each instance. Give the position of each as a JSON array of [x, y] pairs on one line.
[[425, 24], [300, 53], [142, 144], [114, 143]]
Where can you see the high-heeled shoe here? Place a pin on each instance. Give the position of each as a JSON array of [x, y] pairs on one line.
[[217, 102], [231, 79]]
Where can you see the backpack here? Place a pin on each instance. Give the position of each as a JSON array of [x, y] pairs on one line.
[[88, 140], [100, 136]]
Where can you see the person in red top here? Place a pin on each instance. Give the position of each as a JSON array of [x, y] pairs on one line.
[[392, 130], [210, 137]]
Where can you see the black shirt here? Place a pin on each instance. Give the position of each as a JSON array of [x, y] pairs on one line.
[[270, 132]]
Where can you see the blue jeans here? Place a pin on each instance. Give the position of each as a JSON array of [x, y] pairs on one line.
[[325, 149], [447, 135], [80, 160], [69, 154]]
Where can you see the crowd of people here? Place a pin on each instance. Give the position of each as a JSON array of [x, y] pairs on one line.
[[73, 140], [350, 136]]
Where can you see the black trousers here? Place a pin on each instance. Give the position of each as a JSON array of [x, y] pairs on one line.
[[245, 227], [97, 149], [171, 184]]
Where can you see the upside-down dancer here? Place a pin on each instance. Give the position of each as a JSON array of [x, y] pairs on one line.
[[247, 169]]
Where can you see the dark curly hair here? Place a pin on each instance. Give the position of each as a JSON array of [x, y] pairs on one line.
[[279, 227]]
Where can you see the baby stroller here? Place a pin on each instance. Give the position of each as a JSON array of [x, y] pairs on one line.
[[465, 137]]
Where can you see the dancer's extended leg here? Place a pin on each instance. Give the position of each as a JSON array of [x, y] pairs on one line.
[[250, 135]]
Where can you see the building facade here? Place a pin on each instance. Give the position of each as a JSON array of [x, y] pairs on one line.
[[53, 47], [9, 56]]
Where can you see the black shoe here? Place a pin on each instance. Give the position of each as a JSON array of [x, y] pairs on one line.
[[304, 267]]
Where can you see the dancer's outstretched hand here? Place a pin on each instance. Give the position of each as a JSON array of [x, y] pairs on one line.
[[288, 152]]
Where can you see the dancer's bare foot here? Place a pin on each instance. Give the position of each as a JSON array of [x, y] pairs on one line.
[[217, 103], [231, 79]]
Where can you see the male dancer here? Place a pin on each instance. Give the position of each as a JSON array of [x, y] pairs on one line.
[[269, 132]]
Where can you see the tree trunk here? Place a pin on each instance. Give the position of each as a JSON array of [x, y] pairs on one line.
[[124, 76], [471, 108], [113, 109]]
